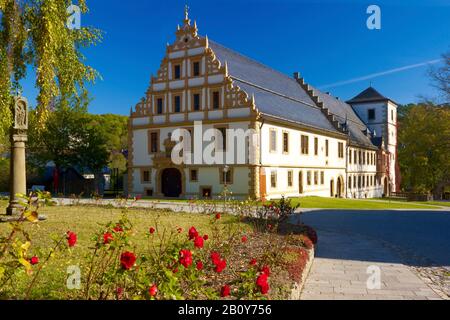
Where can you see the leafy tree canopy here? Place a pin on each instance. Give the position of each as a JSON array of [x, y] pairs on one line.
[[33, 33], [441, 77], [69, 139], [424, 147], [114, 128]]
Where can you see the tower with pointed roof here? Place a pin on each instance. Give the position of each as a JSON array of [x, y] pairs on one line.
[[380, 115]]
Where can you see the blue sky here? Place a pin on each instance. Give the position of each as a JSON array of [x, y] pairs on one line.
[[326, 41]]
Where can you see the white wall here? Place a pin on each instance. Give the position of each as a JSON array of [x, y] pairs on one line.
[[208, 176], [332, 166]]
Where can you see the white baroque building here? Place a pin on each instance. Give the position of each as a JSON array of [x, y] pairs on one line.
[[305, 142]]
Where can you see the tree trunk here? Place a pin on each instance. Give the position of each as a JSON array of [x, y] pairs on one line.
[[438, 190]]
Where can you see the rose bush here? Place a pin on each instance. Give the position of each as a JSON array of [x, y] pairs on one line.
[[193, 262], [16, 246]]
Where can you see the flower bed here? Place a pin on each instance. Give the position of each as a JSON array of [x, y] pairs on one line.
[[215, 257]]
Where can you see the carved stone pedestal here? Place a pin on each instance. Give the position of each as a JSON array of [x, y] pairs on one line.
[[18, 136]]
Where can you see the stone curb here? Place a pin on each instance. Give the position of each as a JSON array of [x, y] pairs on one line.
[[297, 289]]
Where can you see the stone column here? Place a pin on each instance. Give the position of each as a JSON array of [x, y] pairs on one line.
[[18, 135], [255, 166]]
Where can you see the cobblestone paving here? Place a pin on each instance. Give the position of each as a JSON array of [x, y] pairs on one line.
[[334, 278], [437, 278]]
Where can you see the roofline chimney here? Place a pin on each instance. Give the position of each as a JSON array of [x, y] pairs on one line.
[[297, 75]]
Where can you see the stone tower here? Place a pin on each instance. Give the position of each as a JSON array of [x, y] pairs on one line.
[[380, 115]]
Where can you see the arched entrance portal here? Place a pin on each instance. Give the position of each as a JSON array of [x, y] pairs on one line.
[[340, 187], [386, 187], [171, 184], [300, 182], [332, 188]]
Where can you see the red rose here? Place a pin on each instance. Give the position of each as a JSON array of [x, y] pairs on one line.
[[261, 282], [312, 234], [34, 260], [215, 257], [199, 265], [193, 233], [244, 239], [152, 230], [225, 292], [205, 237], [153, 290], [265, 288], [119, 293], [107, 238], [266, 270], [186, 258], [221, 265], [253, 262], [127, 260], [175, 270], [118, 228], [198, 242], [71, 238], [307, 242], [139, 197], [218, 216]]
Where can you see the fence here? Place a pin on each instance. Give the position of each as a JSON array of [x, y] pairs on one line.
[[411, 196]]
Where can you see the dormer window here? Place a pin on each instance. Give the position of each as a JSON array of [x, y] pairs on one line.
[[371, 114], [196, 102], [177, 72], [216, 100], [159, 106], [177, 104], [196, 69]]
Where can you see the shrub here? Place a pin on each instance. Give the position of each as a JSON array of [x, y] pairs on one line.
[[295, 261], [16, 247], [312, 234], [177, 264]]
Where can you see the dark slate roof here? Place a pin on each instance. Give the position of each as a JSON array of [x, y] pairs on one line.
[[275, 93], [282, 97], [378, 141], [344, 113], [368, 95]]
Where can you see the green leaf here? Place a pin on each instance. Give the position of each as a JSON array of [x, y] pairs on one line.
[[26, 264], [32, 216]]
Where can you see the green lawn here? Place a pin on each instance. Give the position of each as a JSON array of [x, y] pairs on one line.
[[439, 203], [85, 221], [331, 203]]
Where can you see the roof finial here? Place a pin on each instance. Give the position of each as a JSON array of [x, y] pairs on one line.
[[226, 68], [186, 12]]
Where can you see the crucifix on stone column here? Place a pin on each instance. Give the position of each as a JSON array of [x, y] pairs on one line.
[[18, 137]]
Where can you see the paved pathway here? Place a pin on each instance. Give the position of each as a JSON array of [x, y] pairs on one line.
[[350, 242], [347, 278]]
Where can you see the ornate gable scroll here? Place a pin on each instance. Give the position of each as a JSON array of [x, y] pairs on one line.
[[187, 47]]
